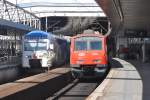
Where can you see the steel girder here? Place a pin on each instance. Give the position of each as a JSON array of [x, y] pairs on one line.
[[14, 13]]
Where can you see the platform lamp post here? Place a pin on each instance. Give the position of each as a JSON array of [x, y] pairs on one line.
[[143, 51], [16, 2], [46, 23]]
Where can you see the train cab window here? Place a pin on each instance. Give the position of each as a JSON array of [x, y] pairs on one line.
[[95, 45], [80, 45], [42, 45], [34, 46], [88, 43]]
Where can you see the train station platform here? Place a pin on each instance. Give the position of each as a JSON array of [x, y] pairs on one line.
[[36, 87], [127, 80]]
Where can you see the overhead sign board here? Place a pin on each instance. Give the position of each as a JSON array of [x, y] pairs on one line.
[[136, 33]]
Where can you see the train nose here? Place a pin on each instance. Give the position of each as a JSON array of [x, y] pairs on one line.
[[34, 56]]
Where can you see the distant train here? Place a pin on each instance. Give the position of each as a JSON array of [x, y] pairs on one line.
[[42, 49], [88, 54]]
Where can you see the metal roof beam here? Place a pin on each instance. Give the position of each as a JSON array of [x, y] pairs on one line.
[[11, 12]]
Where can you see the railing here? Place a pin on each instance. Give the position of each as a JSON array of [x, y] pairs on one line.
[[14, 13], [10, 60]]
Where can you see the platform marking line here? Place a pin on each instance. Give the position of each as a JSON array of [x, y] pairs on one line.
[[99, 91]]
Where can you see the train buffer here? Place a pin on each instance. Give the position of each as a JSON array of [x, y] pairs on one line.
[[127, 80]]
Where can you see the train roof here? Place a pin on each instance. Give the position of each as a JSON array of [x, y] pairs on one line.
[[81, 35], [42, 35], [37, 33], [89, 32]]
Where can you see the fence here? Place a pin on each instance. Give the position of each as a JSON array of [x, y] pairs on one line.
[[10, 60]]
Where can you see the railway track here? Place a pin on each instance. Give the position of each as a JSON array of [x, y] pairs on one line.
[[56, 84], [76, 90]]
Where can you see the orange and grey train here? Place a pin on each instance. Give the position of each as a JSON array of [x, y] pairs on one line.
[[88, 55]]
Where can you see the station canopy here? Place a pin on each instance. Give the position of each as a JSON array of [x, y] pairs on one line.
[[43, 8]]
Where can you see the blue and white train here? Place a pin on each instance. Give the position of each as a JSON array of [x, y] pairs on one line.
[[42, 49]]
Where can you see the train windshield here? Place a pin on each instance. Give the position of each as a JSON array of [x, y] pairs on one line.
[[80, 45], [88, 43], [95, 45], [35, 46]]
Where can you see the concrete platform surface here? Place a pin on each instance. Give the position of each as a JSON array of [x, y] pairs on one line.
[[127, 80], [29, 82]]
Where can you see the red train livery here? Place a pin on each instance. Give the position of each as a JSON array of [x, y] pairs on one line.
[[88, 55]]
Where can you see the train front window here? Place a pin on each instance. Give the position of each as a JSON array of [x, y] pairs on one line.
[[88, 43], [80, 45], [42, 46], [35, 46], [95, 45]]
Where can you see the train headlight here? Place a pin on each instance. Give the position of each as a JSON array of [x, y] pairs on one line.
[[97, 60], [81, 54], [28, 56], [45, 55], [40, 56]]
